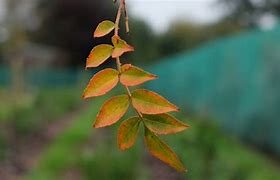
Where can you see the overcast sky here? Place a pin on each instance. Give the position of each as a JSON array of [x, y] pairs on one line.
[[160, 13]]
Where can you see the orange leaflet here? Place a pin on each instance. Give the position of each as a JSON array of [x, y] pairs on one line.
[[101, 83], [164, 124], [149, 102], [120, 47], [112, 111], [104, 28], [128, 132], [98, 55], [133, 76], [161, 151]]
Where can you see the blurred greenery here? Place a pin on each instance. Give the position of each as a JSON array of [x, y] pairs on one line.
[[27, 114], [37, 105], [184, 36], [91, 154], [249, 12], [210, 154], [207, 152], [79, 17]]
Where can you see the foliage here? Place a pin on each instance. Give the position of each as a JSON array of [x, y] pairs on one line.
[[76, 16], [150, 107], [183, 36], [146, 53], [248, 12], [26, 115]]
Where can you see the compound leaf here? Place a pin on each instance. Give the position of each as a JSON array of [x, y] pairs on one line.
[[120, 47], [104, 28], [98, 55], [101, 83], [149, 102], [162, 151], [164, 124], [112, 111], [133, 76], [128, 132]]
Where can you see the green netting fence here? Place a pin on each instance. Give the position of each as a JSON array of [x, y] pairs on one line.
[[236, 80]]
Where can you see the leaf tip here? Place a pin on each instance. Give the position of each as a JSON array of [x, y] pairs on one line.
[[153, 77], [131, 48], [96, 126], [96, 34], [176, 109], [187, 125], [122, 148]]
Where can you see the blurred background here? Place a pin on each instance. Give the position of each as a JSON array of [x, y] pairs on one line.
[[219, 60]]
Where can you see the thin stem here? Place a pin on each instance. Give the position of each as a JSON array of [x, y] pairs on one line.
[[122, 7], [118, 61], [126, 19], [117, 22], [128, 92]]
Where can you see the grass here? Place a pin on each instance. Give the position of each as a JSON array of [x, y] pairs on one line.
[[27, 114], [210, 154], [41, 103], [93, 154], [30, 112], [63, 152], [73, 151]]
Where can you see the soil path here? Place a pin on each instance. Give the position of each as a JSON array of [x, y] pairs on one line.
[[27, 154]]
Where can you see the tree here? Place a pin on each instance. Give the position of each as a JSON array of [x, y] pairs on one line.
[[180, 37], [65, 24], [184, 36], [248, 12]]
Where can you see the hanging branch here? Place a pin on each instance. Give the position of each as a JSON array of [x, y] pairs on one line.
[[150, 107]]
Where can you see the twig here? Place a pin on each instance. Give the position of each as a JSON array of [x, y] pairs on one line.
[[118, 61]]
